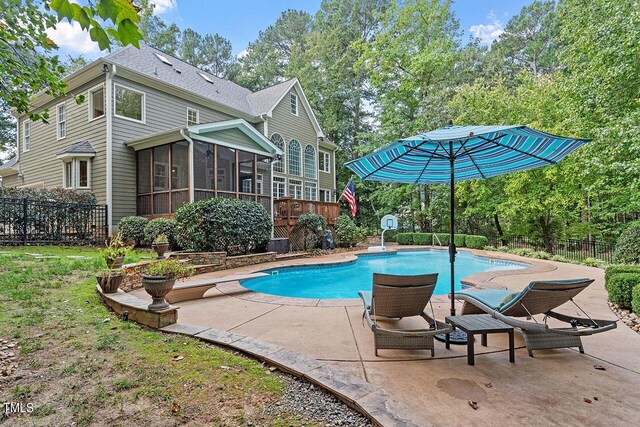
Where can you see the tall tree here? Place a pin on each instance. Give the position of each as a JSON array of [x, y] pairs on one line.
[[529, 41], [266, 60], [155, 32], [7, 133]]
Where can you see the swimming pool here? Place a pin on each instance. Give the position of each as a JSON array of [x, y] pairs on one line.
[[346, 279]]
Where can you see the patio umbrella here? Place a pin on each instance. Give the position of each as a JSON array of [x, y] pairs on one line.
[[459, 153]]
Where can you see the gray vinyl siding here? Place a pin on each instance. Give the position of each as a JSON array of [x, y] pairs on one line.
[[327, 180], [40, 165], [162, 112], [299, 127]]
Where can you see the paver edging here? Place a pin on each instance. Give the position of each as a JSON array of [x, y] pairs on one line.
[[350, 389]]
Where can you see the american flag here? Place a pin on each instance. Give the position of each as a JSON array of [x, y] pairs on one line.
[[349, 194]]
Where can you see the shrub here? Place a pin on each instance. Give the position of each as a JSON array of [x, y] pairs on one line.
[[635, 299], [391, 235], [559, 258], [628, 245], [503, 248], [541, 255], [526, 252], [405, 238], [217, 224], [347, 232], [460, 240], [421, 238], [51, 194], [443, 238], [476, 242], [617, 269], [313, 226], [133, 228], [591, 262], [490, 248], [620, 287], [158, 226]]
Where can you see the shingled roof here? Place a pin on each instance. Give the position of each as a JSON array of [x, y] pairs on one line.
[[149, 62], [80, 147]]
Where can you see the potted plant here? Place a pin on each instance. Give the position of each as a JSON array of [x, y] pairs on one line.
[[159, 277], [160, 245], [110, 280], [115, 252]]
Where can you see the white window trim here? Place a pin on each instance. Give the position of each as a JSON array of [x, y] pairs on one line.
[[329, 192], [327, 162], [314, 169], [189, 109], [314, 187], [282, 162], [286, 186], [300, 185], [291, 97], [75, 176], [144, 104], [104, 109], [300, 158], [24, 136], [58, 137]]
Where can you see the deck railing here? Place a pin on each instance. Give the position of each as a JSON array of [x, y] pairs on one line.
[[287, 210]]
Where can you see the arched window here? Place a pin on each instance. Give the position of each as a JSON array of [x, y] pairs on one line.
[[278, 141], [310, 162], [295, 158]]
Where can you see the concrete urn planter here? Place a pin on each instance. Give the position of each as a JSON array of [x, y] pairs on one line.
[[160, 249], [158, 287], [109, 283]]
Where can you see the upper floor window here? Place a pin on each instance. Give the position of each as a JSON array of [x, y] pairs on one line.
[[26, 135], [295, 158], [294, 104], [129, 103], [310, 162], [61, 118], [278, 141], [96, 103], [325, 162], [193, 117]]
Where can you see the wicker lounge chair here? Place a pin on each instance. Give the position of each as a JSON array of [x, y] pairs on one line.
[[538, 298], [398, 297]]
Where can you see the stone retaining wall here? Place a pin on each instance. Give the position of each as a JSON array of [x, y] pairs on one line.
[[251, 259], [202, 258]]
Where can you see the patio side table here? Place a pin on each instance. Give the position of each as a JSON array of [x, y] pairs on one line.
[[480, 324]]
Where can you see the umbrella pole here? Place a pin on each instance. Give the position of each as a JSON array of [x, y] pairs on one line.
[[452, 224]]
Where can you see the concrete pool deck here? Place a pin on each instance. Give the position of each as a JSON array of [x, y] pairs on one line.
[[555, 387]]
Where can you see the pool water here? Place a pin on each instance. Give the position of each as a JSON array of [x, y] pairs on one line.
[[345, 280]]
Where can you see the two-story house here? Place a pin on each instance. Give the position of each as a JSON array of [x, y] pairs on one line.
[[155, 133]]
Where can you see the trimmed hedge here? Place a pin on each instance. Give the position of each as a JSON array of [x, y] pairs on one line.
[[476, 242], [217, 224], [460, 240], [157, 226], [422, 238], [635, 299], [620, 287], [405, 238], [133, 228], [443, 238], [617, 269]]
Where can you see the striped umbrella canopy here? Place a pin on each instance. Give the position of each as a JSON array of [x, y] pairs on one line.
[[459, 153], [476, 152]]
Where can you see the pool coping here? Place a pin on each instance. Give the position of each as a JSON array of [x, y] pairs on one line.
[[477, 280]]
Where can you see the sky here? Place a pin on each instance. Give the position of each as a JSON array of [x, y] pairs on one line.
[[241, 20]]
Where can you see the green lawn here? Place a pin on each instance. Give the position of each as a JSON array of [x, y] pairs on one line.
[[78, 363]]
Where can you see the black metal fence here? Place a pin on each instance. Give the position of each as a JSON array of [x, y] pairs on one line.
[[578, 250], [40, 222]]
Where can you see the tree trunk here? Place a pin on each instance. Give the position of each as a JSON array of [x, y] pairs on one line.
[[496, 221], [547, 237]]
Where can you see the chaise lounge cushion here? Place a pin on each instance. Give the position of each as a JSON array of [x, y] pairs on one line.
[[494, 298]]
